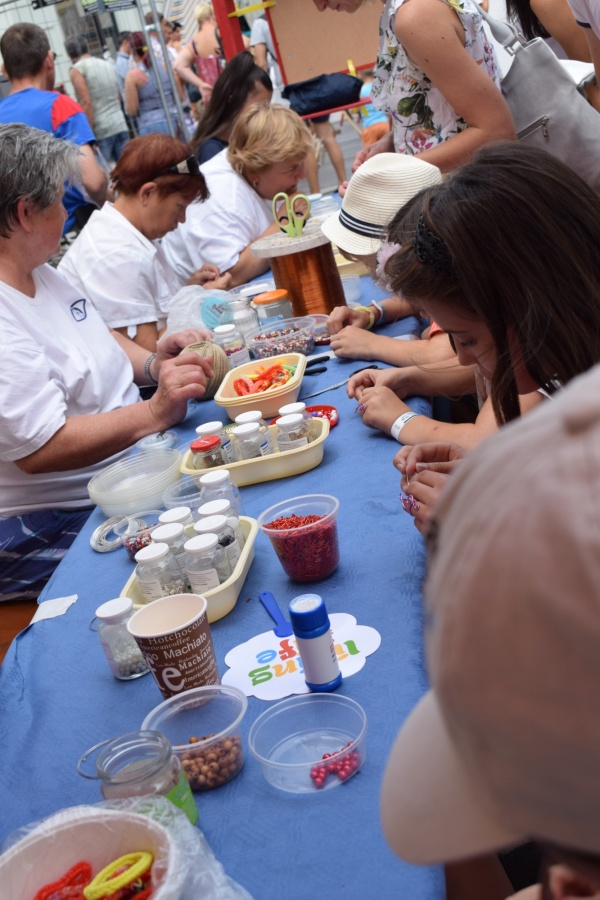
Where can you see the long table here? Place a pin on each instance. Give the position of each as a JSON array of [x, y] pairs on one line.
[[58, 698]]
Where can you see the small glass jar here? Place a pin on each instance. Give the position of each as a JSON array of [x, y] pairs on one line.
[[141, 763], [223, 507], [123, 654], [227, 539], [292, 432], [255, 415], [210, 429], [234, 345], [291, 409], [272, 306], [158, 573], [180, 514], [245, 317], [219, 486], [207, 452], [174, 536], [206, 564], [250, 443]]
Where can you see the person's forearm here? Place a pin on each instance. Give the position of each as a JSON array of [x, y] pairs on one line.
[[459, 149], [138, 357], [186, 73], [249, 266], [446, 378], [410, 353]]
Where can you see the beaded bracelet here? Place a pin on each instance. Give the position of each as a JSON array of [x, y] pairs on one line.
[[147, 372]]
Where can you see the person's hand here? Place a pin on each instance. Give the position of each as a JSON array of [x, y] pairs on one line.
[[341, 316], [179, 380], [205, 92], [171, 345], [436, 456], [369, 378], [208, 276], [354, 343], [342, 188], [422, 492], [379, 408], [383, 145]]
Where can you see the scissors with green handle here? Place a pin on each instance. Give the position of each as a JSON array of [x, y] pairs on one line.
[[291, 213]]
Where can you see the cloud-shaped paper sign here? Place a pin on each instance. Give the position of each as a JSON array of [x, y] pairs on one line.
[[270, 667]]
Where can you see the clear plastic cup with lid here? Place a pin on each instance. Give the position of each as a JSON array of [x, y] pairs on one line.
[[210, 429]]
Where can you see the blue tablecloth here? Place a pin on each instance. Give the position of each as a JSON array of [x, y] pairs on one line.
[[58, 697]]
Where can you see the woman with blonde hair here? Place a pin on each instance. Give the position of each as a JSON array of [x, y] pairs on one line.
[[266, 153], [201, 61]]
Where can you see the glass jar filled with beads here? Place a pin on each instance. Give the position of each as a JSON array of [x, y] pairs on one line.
[[245, 317], [273, 306], [123, 654], [249, 442], [255, 415], [207, 452], [292, 432], [219, 486], [158, 573], [174, 536], [206, 564], [234, 345], [210, 429], [223, 507], [227, 538]]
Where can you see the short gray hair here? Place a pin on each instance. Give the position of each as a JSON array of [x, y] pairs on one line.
[[33, 164]]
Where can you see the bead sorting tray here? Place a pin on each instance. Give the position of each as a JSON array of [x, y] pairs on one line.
[[222, 599], [276, 465]]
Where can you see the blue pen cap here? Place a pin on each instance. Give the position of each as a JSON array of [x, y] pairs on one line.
[[308, 615]]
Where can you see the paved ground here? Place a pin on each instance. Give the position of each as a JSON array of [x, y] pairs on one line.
[[350, 143]]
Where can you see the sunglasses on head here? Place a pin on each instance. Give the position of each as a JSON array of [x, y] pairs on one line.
[[189, 166]]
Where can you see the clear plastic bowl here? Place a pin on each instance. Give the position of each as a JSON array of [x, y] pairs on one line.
[[136, 531], [185, 492], [286, 336], [212, 714], [307, 552], [136, 482], [351, 286], [290, 739]]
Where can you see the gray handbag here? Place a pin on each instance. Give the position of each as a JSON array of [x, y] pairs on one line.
[[546, 105]]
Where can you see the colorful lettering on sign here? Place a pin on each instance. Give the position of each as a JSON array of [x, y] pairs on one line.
[[288, 653]]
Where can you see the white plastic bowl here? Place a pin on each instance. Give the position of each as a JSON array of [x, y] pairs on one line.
[[137, 482]]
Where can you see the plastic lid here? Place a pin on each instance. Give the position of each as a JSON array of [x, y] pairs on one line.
[[253, 415], [288, 422], [270, 297], [212, 478], [115, 610], [253, 290], [210, 523], [163, 440], [201, 543], [177, 514], [152, 553], [167, 533], [200, 445], [209, 428], [307, 612], [214, 508], [248, 429], [291, 408], [224, 329]]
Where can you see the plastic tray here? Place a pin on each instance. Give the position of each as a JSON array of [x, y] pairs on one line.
[[220, 600], [276, 465], [268, 402]]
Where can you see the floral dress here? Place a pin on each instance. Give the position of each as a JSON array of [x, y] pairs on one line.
[[422, 117]]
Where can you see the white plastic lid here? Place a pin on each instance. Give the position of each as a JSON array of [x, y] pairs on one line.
[[167, 533], [253, 290], [225, 329], [209, 428], [291, 408], [152, 553], [210, 523], [178, 514], [254, 415], [288, 422], [201, 543], [115, 610], [244, 430], [215, 508], [212, 478]]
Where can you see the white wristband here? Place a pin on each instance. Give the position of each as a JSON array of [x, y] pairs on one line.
[[400, 423]]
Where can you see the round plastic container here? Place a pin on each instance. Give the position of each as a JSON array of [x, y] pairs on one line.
[[137, 482], [186, 492], [203, 726], [351, 286], [290, 739], [163, 440], [136, 531], [307, 552], [286, 336]]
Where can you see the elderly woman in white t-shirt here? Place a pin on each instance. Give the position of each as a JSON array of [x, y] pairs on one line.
[[69, 399], [266, 153], [117, 261]]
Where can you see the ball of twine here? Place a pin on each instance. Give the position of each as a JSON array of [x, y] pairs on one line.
[[219, 361]]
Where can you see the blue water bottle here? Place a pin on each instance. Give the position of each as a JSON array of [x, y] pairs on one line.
[[312, 631]]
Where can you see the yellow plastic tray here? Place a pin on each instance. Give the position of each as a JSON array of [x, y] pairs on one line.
[[268, 402], [276, 465], [220, 600]]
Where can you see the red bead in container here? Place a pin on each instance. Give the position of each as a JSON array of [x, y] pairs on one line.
[[303, 533]]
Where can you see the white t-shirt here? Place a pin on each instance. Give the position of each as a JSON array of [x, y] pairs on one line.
[[217, 230], [587, 14], [126, 276], [58, 360]]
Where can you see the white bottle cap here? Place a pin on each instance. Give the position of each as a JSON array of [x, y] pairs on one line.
[[224, 329], [215, 508], [167, 534], [212, 478], [114, 610], [291, 408], [248, 429], [210, 524], [254, 415], [286, 423], [209, 428], [152, 553], [201, 543], [178, 514]]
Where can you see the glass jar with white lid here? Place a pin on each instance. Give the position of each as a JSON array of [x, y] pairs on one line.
[[206, 564], [158, 572]]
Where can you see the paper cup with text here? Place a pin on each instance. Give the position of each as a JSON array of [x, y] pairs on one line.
[[174, 636]]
